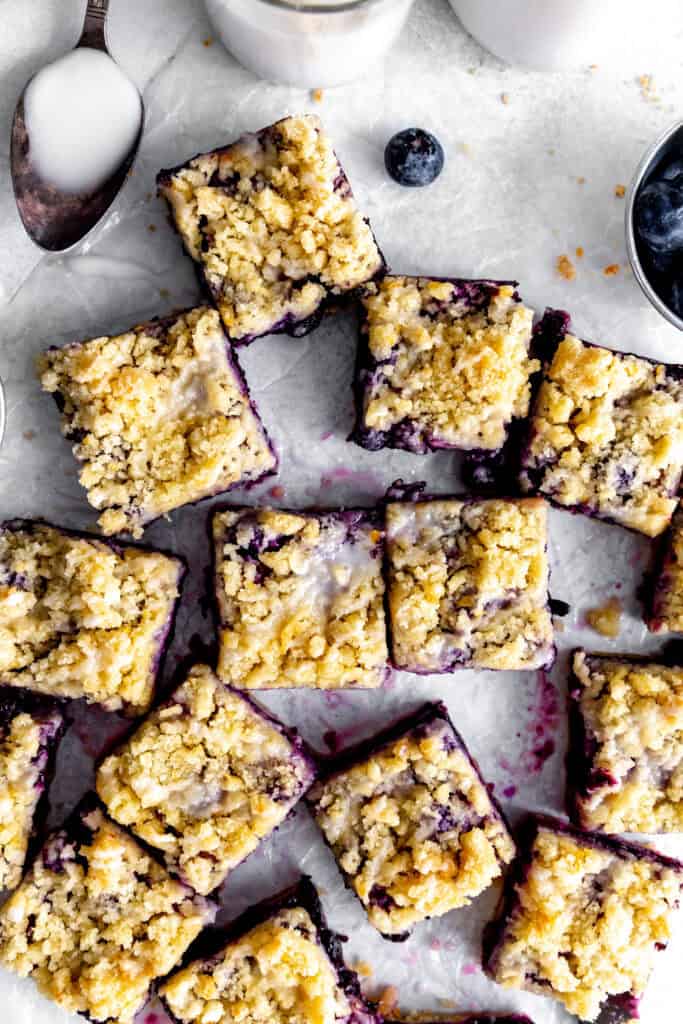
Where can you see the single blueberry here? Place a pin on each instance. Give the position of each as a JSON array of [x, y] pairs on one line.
[[659, 216], [414, 157]]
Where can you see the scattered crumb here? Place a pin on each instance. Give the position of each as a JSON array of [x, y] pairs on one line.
[[152, 228], [317, 95], [579, 252], [277, 492], [464, 148], [606, 619], [505, 98], [581, 181], [593, 67], [620, 191], [208, 41], [448, 1004], [164, 293], [565, 267], [558, 626], [29, 435], [647, 87], [611, 269], [388, 1001], [363, 968]]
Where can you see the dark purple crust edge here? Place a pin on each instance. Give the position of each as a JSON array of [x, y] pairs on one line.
[[210, 945], [405, 436], [400, 492], [159, 324], [164, 637], [656, 583], [416, 720], [49, 714], [552, 329], [372, 517], [74, 830], [301, 750], [292, 326], [617, 1009]]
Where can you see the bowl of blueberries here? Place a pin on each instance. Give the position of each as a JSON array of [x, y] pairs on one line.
[[654, 225]]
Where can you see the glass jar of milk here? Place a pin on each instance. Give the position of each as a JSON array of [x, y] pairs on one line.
[[313, 44]]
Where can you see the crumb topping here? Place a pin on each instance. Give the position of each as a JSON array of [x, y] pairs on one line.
[[606, 619], [277, 973], [301, 599], [566, 268], [607, 436], [204, 779], [632, 713], [96, 920], [23, 756], [468, 584], [160, 417], [587, 923], [456, 371], [79, 618], [273, 223], [666, 613], [413, 828]]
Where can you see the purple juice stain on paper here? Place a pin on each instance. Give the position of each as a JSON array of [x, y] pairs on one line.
[[360, 477], [470, 968]]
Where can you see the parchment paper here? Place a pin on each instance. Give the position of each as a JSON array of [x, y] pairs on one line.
[[532, 165]]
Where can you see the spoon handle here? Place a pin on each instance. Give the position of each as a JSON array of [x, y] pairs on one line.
[[93, 25]]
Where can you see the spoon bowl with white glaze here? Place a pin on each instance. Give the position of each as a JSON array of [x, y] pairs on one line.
[[76, 132]]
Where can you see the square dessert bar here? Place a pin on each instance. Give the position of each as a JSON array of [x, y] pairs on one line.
[[583, 917], [606, 434], [411, 822], [160, 416], [300, 598], [468, 584], [277, 964], [625, 760], [442, 364], [273, 226], [664, 589], [30, 731], [205, 777], [96, 921], [82, 617]]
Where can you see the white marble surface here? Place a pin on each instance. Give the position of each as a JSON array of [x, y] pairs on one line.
[[526, 180]]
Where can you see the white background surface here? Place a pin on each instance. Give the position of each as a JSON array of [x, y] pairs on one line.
[[508, 204]]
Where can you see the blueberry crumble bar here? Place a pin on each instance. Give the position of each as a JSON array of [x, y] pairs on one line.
[[625, 761], [411, 822], [204, 778], [277, 964], [583, 917], [82, 617], [468, 584], [272, 224], [96, 921], [160, 416], [300, 598], [461, 1018], [606, 434], [442, 364], [30, 731], [664, 603]]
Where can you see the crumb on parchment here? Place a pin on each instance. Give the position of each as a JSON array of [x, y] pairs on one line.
[[363, 968], [388, 1000], [620, 191], [505, 98], [581, 181], [606, 619], [565, 267], [611, 270], [317, 95], [580, 252]]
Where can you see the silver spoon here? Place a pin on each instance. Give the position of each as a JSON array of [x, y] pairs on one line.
[[57, 220]]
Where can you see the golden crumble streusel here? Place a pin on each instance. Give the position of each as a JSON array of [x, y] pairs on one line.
[[587, 920], [665, 611], [301, 599], [204, 779], [273, 224], [25, 741], [160, 416], [83, 618], [449, 364], [606, 618], [412, 825], [468, 584], [606, 436], [630, 764], [276, 973], [96, 921]]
